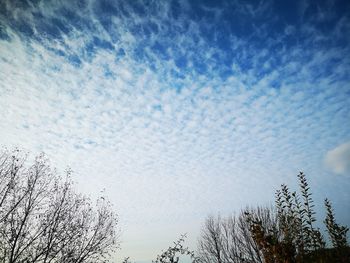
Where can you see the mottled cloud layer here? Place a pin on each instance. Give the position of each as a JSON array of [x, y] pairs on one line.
[[178, 109]]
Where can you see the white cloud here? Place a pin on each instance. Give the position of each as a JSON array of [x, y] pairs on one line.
[[338, 159], [170, 149]]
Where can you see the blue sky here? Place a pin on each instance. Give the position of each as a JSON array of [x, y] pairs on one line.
[[179, 109]]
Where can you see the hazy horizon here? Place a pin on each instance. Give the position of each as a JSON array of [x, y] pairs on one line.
[[180, 109]]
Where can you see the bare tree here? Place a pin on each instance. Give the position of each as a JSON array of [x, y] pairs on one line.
[[42, 219], [210, 244], [229, 239]]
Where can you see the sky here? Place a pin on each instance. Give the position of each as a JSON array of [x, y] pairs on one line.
[[179, 109]]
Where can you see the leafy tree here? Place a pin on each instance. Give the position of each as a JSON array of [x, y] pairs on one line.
[[337, 233], [286, 234], [300, 240], [296, 219], [42, 218]]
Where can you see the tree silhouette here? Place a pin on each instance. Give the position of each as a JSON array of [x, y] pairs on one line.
[[286, 234], [300, 240], [171, 255], [230, 239], [42, 219], [336, 232]]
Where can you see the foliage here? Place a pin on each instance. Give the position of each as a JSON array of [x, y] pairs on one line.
[[300, 240], [286, 234], [171, 255], [42, 219], [336, 232]]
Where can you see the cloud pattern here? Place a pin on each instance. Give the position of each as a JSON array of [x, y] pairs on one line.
[[178, 108]]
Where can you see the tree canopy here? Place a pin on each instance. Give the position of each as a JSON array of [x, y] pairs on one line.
[[43, 219]]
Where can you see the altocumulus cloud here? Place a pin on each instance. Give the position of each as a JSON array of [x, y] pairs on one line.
[[338, 159], [177, 106]]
